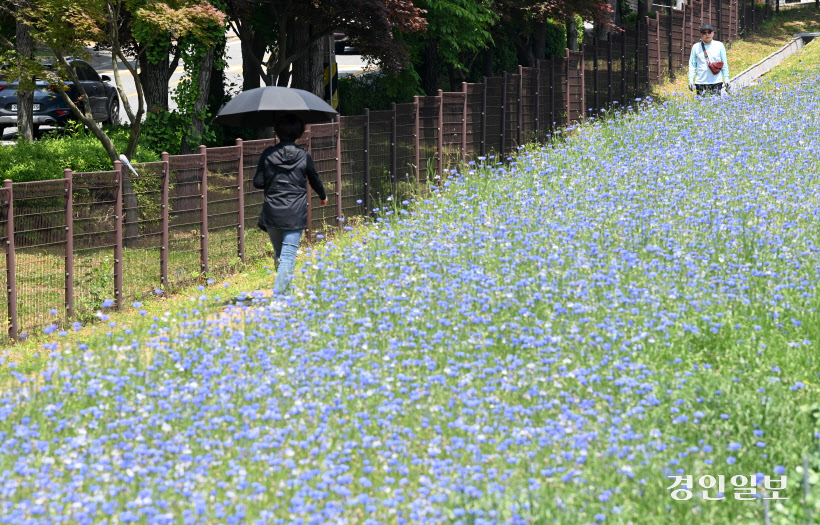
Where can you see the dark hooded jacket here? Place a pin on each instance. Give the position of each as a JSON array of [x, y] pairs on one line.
[[283, 172]]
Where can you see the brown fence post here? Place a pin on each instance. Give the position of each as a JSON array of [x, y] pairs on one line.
[[240, 201], [520, 105], [566, 87], [552, 94], [165, 212], [623, 68], [538, 100], [118, 220], [69, 243], [394, 132], [609, 68], [440, 134], [309, 229], [595, 85], [366, 199], [339, 222], [484, 119], [203, 194], [464, 124], [637, 51], [11, 266], [670, 46], [503, 114], [416, 137]]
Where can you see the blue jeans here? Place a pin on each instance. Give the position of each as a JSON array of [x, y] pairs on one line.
[[285, 243]]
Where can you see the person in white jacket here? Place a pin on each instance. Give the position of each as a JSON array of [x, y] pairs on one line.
[[708, 50]]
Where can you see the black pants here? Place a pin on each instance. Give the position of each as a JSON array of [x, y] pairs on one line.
[[709, 88]]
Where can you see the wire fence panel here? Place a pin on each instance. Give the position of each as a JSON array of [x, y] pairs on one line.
[[323, 151], [406, 169], [4, 213], [475, 107], [255, 239], [428, 137], [678, 27], [511, 115], [95, 226], [142, 238], [590, 80], [529, 104], [494, 113], [40, 244], [453, 128], [575, 85], [223, 208], [381, 132], [185, 219], [353, 161]]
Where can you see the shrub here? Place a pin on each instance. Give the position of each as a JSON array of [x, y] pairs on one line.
[[48, 157], [376, 91]]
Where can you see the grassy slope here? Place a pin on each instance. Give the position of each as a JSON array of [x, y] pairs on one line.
[[770, 37]]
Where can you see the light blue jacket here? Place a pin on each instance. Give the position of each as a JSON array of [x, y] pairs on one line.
[[699, 72]]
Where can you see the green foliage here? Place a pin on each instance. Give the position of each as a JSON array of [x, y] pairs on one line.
[[556, 39], [47, 158], [164, 130], [376, 91], [505, 54]]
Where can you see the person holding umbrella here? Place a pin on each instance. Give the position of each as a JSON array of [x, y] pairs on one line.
[[283, 172], [708, 65]]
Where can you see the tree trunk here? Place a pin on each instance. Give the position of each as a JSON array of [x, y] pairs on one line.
[[216, 95], [539, 42], [25, 91], [154, 78], [643, 9], [429, 68], [308, 71], [488, 62], [191, 141], [250, 75], [572, 34]]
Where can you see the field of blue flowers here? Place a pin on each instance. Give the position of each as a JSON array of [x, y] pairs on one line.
[[541, 341]]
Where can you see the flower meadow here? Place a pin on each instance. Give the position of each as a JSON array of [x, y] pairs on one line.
[[542, 340]]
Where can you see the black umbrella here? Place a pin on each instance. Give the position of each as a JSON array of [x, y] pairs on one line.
[[262, 107]]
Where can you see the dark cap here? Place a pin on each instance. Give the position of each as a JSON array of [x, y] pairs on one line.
[[707, 27]]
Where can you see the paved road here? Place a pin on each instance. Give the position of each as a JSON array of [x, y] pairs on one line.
[[349, 64]]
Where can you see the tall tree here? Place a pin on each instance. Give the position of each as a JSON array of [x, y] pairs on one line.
[[457, 30], [371, 24], [23, 68]]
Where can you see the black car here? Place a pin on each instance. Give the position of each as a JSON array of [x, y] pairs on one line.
[[49, 107]]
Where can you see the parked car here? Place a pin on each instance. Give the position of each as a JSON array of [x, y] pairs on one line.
[[49, 107], [340, 41]]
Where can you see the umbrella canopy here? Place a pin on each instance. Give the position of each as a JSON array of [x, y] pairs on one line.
[[262, 107]]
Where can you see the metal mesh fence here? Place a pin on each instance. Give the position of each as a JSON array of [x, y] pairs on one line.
[[40, 251], [353, 162], [575, 85], [94, 239], [452, 128], [494, 113], [475, 107], [323, 151], [529, 104], [381, 133], [4, 211], [223, 209], [142, 229], [428, 137], [511, 115], [185, 219], [405, 146]]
